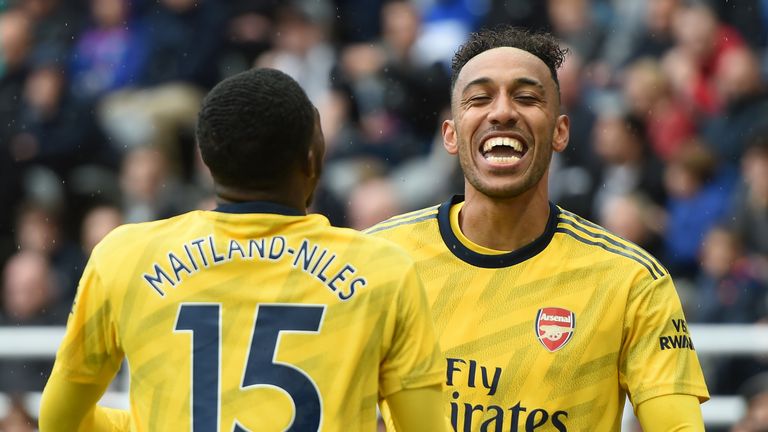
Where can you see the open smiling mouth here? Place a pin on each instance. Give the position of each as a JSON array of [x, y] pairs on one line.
[[503, 150]]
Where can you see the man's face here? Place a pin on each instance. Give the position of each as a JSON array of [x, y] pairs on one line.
[[506, 122]]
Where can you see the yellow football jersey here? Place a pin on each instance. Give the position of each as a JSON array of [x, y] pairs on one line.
[[553, 336], [251, 318]]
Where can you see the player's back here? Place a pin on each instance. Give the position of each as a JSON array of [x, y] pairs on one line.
[[253, 321]]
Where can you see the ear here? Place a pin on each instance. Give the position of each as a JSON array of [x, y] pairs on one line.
[[450, 138], [312, 164], [561, 135]]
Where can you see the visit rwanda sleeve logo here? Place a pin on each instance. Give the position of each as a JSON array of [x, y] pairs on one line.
[[554, 327]]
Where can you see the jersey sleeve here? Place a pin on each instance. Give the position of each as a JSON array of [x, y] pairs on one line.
[[90, 352], [66, 406], [680, 413], [658, 356], [413, 359]]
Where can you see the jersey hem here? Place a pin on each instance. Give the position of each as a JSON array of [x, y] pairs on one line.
[[698, 391], [426, 380]]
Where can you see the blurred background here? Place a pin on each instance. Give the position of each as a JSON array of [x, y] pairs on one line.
[[669, 138]]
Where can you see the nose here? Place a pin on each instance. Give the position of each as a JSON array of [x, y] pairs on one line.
[[503, 111]]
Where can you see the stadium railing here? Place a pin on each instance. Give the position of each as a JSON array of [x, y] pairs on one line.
[[709, 340]]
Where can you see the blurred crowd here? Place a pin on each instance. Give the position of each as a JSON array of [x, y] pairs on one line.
[[667, 99]]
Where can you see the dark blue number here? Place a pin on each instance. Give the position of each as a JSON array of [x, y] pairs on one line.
[[203, 321], [261, 368]]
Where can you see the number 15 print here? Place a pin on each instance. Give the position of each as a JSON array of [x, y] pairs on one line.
[[204, 322]]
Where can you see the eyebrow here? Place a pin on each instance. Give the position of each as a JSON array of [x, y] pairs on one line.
[[531, 82], [524, 81]]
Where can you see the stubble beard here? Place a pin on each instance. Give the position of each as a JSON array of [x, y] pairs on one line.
[[530, 179]]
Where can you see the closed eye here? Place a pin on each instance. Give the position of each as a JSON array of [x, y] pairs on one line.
[[477, 100], [527, 99]]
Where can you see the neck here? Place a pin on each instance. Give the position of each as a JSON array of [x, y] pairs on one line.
[[286, 196], [504, 224]]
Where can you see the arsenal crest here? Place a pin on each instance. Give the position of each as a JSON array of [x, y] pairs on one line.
[[554, 327]]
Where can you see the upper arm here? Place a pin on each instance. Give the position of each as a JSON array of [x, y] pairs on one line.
[[413, 358], [90, 351], [86, 362], [658, 356], [671, 413]]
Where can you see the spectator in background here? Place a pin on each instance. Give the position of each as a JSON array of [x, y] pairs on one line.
[[414, 83], [743, 94], [183, 41], [698, 192], [635, 218], [749, 210], [346, 162], [39, 230], [29, 291], [383, 112], [575, 101], [701, 41], [28, 298], [754, 392], [730, 290], [108, 54], [54, 131], [149, 191], [249, 32], [650, 37], [370, 202], [97, 223], [398, 95], [571, 167], [419, 180], [646, 91], [301, 47], [574, 23], [56, 25], [658, 35], [409, 185], [624, 162], [17, 418], [749, 17], [15, 44]]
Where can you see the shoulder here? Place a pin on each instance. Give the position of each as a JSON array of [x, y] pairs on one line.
[[600, 241], [404, 221], [374, 246], [133, 235]]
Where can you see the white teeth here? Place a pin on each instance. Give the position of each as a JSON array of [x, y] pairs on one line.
[[502, 141], [502, 159]]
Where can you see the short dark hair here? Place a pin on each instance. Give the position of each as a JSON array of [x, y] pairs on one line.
[[543, 45], [254, 127]]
